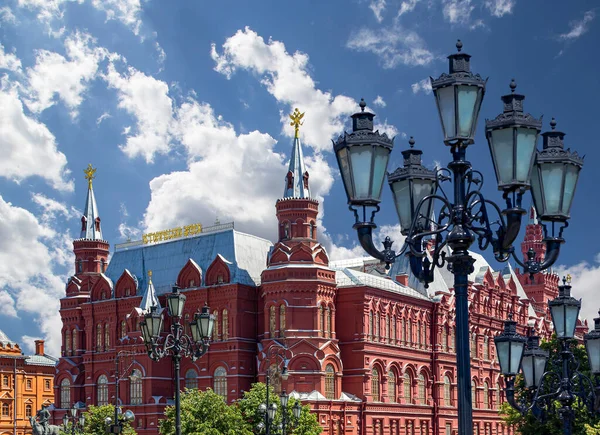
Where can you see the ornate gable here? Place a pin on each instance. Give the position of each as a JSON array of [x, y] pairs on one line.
[[218, 272], [190, 275], [126, 286]]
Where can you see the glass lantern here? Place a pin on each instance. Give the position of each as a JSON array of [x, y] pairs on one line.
[[592, 346], [565, 311], [176, 301], [509, 348], [534, 362]]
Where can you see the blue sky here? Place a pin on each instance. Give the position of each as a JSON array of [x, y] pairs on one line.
[[183, 109]]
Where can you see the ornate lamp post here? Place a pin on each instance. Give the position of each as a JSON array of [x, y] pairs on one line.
[[269, 410], [77, 423], [120, 420], [177, 344], [563, 382], [464, 216]]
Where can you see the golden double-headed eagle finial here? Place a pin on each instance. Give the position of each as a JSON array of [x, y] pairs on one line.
[[296, 117], [89, 174]]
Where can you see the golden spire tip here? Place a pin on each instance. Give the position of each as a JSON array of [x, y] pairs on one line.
[[296, 117], [89, 174]]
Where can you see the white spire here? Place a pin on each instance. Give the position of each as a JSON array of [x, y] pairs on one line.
[[296, 180], [150, 299], [90, 221]]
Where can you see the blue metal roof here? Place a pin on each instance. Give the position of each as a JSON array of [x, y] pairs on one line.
[[247, 254]]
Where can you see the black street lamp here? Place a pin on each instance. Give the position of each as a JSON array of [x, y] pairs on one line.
[[465, 216], [269, 410], [562, 382], [177, 344], [120, 420], [77, 422]]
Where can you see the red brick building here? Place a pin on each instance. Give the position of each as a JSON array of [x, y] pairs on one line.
[[372, 353]]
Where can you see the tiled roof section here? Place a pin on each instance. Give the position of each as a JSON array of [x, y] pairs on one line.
[[41, 360], [5, 340], [247, 254], [349, 277]]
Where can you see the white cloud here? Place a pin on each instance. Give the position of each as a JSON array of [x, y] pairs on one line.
[[585, 278], [393, 46], [102, 117], [147, 100], [457, 11], [286, 77], [7, 16], [578, 27], [8, 304], [125, 231], [52, 208], [377, 6], [9, 61], [337, 251], [499, 8], [422, 86], [379, 102], [407, 6], [65, 77], [27, 147], [126, 11], [162, 56], [386, 128]]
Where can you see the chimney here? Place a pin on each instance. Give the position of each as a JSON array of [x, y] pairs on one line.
[[39, 347], [402, 279]]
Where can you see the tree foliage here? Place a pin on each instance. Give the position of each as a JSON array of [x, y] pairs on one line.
[[551, 424], [95, 421]]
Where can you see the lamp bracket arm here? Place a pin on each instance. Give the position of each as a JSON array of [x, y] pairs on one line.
[[511, 397], [365, 237], [416, 234], [442, 175], [474, 177]]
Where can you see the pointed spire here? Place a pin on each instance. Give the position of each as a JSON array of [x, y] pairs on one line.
[[296, 180], [90, 221], [150, 299]]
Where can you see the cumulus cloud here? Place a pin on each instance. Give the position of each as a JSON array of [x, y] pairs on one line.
[[377, 6], [422, 86], [393, 46], [9, 61], [407, 6], [127, 232], [499, 8], [7, 16], [457, 11], [8, 304], [28, 148], [379, 102], [287, 78], [578, 27]]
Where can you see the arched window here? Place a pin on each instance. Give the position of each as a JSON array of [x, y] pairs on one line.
[[5, 410], [286, 230], [409, 332], [272, 321], [215, 331], [102, 391], [5, 381], [422, 334], [444, 339], [391, 386], [75, 342], [313, 231], [394, 326], [329, 382], [375, 385], [486, 348], [65, 394], [123, 329], [447, 396], [68, 342], [322, 319], [220, 382], [387, 328], [421, 387], [408, 388], [377, 324], [99, 337], [404, 330], [28, 410], [282, 321], [371, 325], [106, 336], [191, 379], [79, 266], [486, 395], [473, 394], [419, 329], [102, 265], [135, 388], [225, 325], [328, 311]]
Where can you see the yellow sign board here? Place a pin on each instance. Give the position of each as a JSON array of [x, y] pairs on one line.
[[173, 233]]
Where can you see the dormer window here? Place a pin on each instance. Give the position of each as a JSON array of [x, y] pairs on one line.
[[286, 230], [220, 279], [79, 266], [97, 222], [103, 295], [192, 283], [83, 223], [127, 291]]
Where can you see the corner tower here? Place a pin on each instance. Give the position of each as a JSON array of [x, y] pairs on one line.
[[298, 288]]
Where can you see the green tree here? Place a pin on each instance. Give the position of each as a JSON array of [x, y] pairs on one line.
[[307, 424], [204, 413], [584, 424], [95, 421]]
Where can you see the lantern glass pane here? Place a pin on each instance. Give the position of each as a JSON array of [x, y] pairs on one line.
[[446, 108], [528, 370], [382, 155], [401, 190], [570, 182], [422, 188], [593, 351], [536, 190], [360, 156], [467, 98], [195, 331], [502, 351], [526, 140], [572, 312], [516, 352], [552, 179], [176, 303], [558, 318], [203, 324], [284, 399], [345, 169], [211, 325], [540, 367], [502, 143]]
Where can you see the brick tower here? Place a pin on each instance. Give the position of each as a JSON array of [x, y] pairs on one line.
[[298, 288]]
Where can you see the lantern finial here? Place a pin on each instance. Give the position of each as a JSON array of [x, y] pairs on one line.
[[513, 85], [362, 104], [411, 142], [553, 123], [459, 45]]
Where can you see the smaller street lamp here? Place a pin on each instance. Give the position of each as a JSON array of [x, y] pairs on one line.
[[77, 423], [592, 346], [534, 362], [510, 346], [121, 420], [565, 311]]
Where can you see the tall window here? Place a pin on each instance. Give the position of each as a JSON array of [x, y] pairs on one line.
[[5, 381], [375, 385], [447, 397], [107, 336], [421, 387], [444, 339], [28, 384], [28, 411], [387, 328], [272, 322], [225, 325], [220, 382], [473, 345], [408, 388], [371, 325], [422, 335], [419, 329], [75, 342], [394, 326], [65, 394], [452, 335], [404, 331], [68, 342], [486, 348], [322, 319], [215, 331], [329, 382], [99, 337], [102, 391], [123, 329], [282, 320], [377, 323], [486, 395], [473, 394], [329, 316], [191, 379], [5, 410], [409, 332], [135, 388], [391, 384]]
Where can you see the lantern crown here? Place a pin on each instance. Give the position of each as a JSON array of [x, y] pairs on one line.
[[513, 114], [553, 148]]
